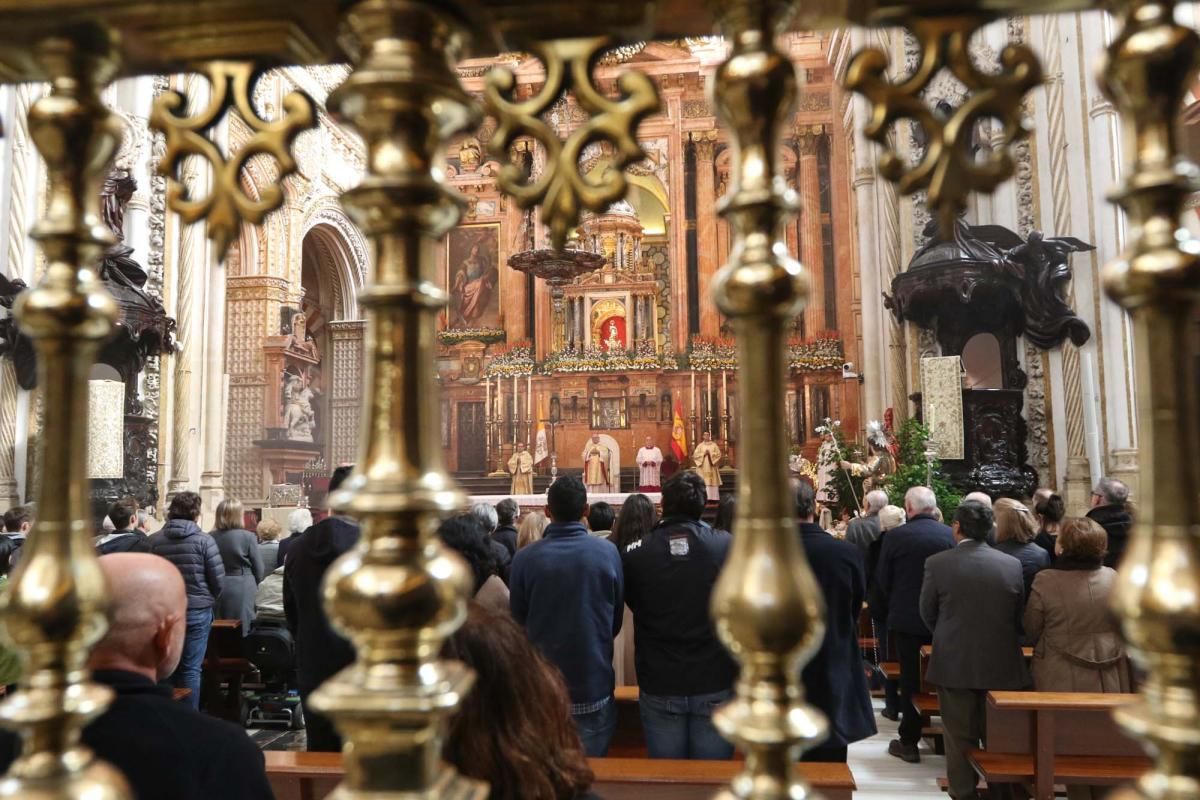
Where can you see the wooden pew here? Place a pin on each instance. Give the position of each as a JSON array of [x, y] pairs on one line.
[[223, 670], [312, 776], [1039, 738]]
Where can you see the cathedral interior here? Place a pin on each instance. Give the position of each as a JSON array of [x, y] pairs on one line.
[[247, 242]]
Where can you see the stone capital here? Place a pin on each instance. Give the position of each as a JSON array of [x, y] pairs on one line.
[[705, 143]]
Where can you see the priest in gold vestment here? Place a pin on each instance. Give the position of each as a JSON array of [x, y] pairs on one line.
[[520, 466], [596, 466], [707, 459]]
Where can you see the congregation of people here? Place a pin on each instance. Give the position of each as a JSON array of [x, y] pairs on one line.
[[575, 599]]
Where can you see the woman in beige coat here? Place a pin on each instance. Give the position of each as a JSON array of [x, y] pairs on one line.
[[1077, 644]]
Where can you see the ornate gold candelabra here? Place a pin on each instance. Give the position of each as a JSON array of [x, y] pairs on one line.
[[398, 595], [55, 607], [769, 618]]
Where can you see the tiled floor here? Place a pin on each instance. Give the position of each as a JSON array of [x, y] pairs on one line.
[[879, 776]]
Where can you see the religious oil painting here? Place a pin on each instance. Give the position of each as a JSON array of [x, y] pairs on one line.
[[473, 276]]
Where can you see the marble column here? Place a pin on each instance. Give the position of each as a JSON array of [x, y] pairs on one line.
[[811, 252], [707, 257]]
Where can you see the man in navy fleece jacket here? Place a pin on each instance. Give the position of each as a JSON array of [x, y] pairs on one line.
[[568, 592]]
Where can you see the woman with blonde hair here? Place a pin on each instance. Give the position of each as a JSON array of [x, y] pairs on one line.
[[269, 531], [533, 525], [1016, 528], [243, 565]]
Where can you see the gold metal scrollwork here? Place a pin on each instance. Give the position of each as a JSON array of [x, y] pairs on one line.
[[947, 168], [561, 189], [227, 204]]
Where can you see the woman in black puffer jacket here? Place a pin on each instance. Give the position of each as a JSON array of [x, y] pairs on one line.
[[194, 553]]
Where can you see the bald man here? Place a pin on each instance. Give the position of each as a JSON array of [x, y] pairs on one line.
[[164, 748]]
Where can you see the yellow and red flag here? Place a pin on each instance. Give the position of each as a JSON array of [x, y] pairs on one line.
[[678, 434]]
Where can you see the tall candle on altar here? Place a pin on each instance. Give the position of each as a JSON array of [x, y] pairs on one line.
[[693, 395], [529, 399], [708, 394], [487, 397], [516, 408], [724, 392]]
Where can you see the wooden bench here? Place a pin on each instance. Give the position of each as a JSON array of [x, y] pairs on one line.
[[313, 776], [223, 671], [1040, 738]]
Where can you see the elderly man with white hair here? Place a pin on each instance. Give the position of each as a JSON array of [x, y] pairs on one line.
[[865, 529], [899, 577], [298, 522], [490, 520]]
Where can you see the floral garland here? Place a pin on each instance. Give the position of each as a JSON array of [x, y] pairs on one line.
[[643, 358], [716, 354], [460, 335], [516, 361]]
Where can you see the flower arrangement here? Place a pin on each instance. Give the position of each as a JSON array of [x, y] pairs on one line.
[[515, 361], [643, 358], [842, 491], [459, 335], [821, 352]]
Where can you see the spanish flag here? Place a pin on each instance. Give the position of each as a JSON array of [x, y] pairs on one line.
[[678, 434]]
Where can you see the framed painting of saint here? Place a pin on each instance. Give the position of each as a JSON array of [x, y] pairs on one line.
[[473, 276]]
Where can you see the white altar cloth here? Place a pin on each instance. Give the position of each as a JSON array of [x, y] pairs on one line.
[[615, 499]]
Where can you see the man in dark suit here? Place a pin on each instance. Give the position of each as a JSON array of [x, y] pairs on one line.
[[321, 652], [1110, 507], [899, 574], [163, 747], [834, 680], [972, 599]]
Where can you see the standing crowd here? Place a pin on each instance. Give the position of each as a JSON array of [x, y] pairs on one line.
[[564, 595]]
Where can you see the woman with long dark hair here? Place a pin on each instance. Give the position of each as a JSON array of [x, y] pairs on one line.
[[1050, 512], [513, 729], [635, 520], [465, 534]]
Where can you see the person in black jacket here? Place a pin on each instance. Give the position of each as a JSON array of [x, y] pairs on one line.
[[195, 555], [899, 574], [834, 680], [507, 512], [1110, 507], [684, 672], [320, 651], [163, 747], [125, 536]]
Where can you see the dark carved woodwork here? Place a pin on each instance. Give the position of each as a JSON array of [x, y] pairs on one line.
[[143, 331], [995, 458], [987, 279]]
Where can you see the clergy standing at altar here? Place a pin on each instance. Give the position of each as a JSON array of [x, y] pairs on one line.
[[596, 466], [649, 461], [520, 466], [707, 458]]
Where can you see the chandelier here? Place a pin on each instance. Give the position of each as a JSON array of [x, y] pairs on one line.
[[557, 267]]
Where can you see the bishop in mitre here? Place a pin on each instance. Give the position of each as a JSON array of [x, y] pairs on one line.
[[649, 461], [597, 462], [707, 460], [520, 466]]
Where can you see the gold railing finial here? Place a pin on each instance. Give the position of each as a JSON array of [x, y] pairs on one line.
[[55, 607], [1150, 67], [947, 167], [770, 618], [399, 594]]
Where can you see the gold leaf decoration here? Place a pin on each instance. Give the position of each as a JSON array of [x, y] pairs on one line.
[[226, 204], [561, 189], [947, 168]]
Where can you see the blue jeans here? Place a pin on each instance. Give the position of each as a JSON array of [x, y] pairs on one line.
[[596, 729], [682, 726], [195, 643]]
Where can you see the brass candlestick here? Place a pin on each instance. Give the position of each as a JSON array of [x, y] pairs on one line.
[[55, 608], [769, 618], [1151, 66], [399, 594]]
